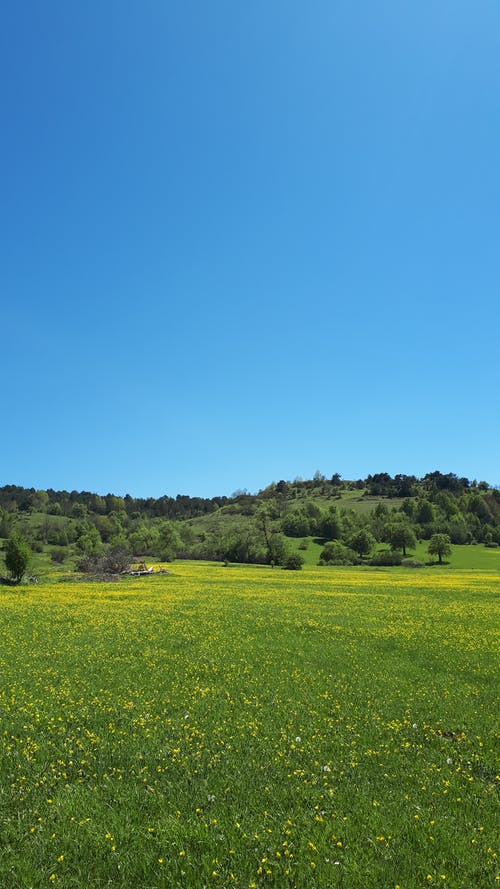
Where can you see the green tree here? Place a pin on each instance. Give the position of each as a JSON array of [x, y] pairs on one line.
[[408, 507], [144, 540], [275, 544], [401, 536], [282, 496], [459, 533], [336, 553], [277, 549], [439, 545], [362, 542], [89, 541], [104, 525], [40, 501], [187, 535], [296, 524], [79, 511], [213, 542], [17, 557], [425, 512], [169, 542], [5, 523], [381, 511], [329, 525], [242, 545]]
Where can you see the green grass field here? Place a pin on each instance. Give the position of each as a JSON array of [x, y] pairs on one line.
[[476, 557], [250, 727]]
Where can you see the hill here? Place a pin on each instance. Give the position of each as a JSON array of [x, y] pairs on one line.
[[380, 518]]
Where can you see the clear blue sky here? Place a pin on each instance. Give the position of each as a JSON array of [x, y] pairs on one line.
[[242, 242]]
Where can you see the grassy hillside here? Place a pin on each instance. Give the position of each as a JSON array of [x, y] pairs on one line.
[[364, 516], [478, 557]]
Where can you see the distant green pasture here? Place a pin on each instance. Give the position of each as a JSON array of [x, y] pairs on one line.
[[477, 557]]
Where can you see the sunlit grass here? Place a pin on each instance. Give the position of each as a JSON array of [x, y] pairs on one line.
[[250, 727]]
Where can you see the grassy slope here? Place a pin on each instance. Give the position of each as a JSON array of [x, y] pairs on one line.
[[227, 519], [475, 557], [470, 557]]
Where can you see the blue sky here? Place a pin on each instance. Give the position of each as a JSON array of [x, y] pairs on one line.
[[245, 241]]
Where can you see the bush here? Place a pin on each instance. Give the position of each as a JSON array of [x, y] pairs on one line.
[[336, 553], [296, 524], [459, 532], [362, 542], [57, 537], [57, 555], [387, 557], [89, 542], [293, 562], [412, 563]]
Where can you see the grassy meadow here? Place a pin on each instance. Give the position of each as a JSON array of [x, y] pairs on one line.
[[471, 557], [250, 727]]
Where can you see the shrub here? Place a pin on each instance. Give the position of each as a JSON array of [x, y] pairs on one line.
[[412, 563], [57, 555], [335, 553], [387, 557], [57, 537], [362, 542], [459, 532], [293, 562], [296, 524], [89, 542]]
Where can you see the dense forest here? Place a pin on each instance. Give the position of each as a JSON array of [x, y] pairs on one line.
[[379, 518]]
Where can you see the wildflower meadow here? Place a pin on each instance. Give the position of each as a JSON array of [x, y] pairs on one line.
[[250, 727]]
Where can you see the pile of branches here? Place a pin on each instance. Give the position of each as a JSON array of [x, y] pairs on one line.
[[112, 563]]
